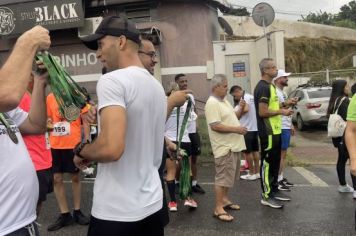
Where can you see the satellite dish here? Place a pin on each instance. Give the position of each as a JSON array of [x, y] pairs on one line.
[[226, 27], [263, 14]]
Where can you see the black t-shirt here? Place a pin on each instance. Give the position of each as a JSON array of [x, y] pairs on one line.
[[262, 93]]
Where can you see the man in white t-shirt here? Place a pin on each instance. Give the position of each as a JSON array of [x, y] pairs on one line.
[[281, 81], [18, 179], [182, 81], [132, 111], [246, 113]]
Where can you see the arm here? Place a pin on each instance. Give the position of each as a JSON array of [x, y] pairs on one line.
[[36, 122], [264, 112], [243, 109], [110, 143], [177, 98], [14, 75], [218, 127], [350, 139]]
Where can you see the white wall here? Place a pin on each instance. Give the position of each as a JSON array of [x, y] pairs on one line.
[[256, 49]]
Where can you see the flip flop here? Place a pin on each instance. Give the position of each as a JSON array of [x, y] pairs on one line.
[[232, 206], [219, 217]]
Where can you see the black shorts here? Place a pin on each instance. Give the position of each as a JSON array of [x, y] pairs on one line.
[[251, 141], [195, 143], [63, 161], [150, 225], [184, 146], [45, 182]]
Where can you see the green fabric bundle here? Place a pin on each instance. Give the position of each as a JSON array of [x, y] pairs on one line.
[[185, 188], [70, 97]]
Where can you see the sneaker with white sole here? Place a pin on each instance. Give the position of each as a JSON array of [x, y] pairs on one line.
[[281, 196], [172, 206], [258, 176], [283, 187], [191, 203], [248, 177], [271, 202], [345, 189], [354, 195]]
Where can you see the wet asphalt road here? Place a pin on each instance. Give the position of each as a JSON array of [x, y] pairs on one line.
[[317, 208]]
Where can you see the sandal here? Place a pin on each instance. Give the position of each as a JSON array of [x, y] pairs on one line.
[[232, 206], [220, 217]]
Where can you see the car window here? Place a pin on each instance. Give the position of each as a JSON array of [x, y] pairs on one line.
[[320, 93]]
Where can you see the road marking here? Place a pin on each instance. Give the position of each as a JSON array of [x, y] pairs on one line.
[[311, 177]]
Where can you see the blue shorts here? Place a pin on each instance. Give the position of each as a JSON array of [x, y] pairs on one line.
[[285, 139]]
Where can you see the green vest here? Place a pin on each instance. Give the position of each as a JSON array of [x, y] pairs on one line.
[[273, 105]]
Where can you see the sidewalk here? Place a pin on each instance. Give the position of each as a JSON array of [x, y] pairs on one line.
[[313, 147]]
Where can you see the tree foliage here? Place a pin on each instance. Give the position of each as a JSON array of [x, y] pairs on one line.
[[345, 18]]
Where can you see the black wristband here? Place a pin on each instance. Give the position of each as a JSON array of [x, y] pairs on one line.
[[78, 148]]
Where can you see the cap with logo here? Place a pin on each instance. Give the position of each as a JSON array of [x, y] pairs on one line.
[[114, 26], [281, 73]]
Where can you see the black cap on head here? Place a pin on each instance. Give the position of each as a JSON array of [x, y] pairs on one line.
[[114, 26]]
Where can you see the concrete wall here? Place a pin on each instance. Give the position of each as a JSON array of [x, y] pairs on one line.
[[256, 49], [245, 26]]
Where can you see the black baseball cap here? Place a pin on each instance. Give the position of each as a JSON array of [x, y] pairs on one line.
[[114, 26]]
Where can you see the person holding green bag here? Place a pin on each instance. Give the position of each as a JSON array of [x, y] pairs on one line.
[[176, 132]]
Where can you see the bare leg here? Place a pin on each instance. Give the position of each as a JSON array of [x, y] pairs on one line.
[[76, 188], [256, 162], [59, 192]]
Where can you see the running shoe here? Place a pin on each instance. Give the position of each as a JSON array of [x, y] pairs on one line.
[[287, 183], [172, 206], [258, 176], [281, 196], [271, 202], [248, 177], [198, 189], [191, 203], [283, 187], [345, 189], [62, 221]]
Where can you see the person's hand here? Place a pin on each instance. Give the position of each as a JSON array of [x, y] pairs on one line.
[[49, 125], [242, 103], [81, 163], [90, 116], [241, 130], [287, 112], [37, 36], [292, 101], [41, 74], [178, 98], [292, 130]]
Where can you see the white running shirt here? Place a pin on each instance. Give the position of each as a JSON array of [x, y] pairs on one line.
[[18, 179], [130, 189]]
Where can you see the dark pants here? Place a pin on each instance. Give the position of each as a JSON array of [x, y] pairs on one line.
[[29, 230], [343, 155], [270, 161], [151, 225]]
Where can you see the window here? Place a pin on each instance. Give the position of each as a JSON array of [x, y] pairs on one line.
[[321, 93]]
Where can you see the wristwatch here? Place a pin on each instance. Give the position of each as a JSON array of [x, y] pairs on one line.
[[78, 148]]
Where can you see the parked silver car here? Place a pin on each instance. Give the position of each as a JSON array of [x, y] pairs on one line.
[[312, 106]]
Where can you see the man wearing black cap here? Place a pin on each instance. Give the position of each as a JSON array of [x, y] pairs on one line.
[[132, 111]]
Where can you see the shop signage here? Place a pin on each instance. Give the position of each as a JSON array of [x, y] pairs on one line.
[[59, 14]]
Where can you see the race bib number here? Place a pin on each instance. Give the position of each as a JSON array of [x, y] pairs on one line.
[[61, 129]]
